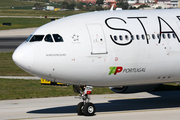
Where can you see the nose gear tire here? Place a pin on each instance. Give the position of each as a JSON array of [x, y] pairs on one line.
[[79, 108], [89, 109]]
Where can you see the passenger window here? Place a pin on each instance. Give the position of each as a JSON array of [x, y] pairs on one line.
[[158, 36], [169, 36], [148, 36], [36, 38], [115, 38], [142, 37], [137, 36], [127, 38], [48, 38], [57, 38], [153, 36], [132, 37], [120, 37], [174, 35], [164, 36]]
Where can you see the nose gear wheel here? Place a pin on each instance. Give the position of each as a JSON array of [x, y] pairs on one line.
[[84, 108]]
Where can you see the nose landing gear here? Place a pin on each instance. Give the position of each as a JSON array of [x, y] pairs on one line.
[[84, 108]]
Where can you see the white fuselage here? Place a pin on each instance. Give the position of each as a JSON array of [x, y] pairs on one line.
[[108, 48]]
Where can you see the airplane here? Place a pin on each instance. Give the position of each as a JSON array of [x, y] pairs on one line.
[[126, 50]]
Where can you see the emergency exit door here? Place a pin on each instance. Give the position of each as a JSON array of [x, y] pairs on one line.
[[98, 41]]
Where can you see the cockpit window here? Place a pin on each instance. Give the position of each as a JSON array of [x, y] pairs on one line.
[[37, 38], [28, 38], [57, 38], [48, 38]]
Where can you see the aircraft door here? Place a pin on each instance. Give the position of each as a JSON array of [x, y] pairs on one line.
[[98, 42]]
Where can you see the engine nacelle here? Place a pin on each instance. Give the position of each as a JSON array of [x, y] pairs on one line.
[[133, 89]]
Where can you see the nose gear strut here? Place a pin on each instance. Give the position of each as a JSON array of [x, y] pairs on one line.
[[84, 108]]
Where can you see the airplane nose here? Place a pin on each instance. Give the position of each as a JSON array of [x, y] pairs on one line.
[[23, 56]]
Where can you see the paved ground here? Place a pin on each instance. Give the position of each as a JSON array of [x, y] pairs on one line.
[[11, 39], [8, 44], [139, 106], [16, 32], [21, 77]]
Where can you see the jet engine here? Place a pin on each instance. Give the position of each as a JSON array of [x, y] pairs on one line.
[[133, 89]]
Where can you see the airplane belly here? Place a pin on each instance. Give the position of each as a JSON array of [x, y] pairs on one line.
[[106, 69], [126, 74]]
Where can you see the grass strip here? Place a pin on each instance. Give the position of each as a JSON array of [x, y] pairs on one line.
[[38, 13], [13, 3], [8, 67], [17, 23], [23, 89]]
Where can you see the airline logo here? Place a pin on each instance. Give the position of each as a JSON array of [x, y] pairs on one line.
[[163, 26], [115, 70]]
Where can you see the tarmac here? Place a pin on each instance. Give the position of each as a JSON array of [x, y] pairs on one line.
[[17, 32], [21, 77], [11, 39], [138, 106]]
